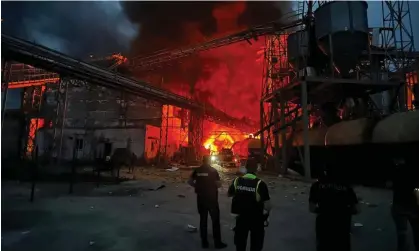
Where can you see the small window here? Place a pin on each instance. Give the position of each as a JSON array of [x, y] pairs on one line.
[[79, 144]]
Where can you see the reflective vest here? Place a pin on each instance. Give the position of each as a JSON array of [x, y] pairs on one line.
[[246, 199]]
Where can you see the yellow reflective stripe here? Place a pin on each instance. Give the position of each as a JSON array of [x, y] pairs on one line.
[[257, 191], [249, 176], [235, 183]]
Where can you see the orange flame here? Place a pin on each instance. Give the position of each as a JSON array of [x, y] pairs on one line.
[[216, 142], [218, 137]]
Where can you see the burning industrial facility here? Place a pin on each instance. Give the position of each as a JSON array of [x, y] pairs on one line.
[[233, 79]]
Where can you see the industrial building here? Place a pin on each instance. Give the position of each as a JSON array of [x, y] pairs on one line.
[[330, 84]]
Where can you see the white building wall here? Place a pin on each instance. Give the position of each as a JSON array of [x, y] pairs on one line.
[[118, 137]]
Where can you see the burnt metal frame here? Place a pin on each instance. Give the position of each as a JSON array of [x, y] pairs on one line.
[[396, 19]]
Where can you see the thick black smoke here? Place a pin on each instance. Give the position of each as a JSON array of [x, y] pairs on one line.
[[172, 24], [165, 25], [76, 28]]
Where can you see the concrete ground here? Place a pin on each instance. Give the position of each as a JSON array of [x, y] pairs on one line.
[[144, 215]]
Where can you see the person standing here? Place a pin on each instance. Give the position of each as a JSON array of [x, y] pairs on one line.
[[334, 201], [251, 206], [405, 208], [206, 182]]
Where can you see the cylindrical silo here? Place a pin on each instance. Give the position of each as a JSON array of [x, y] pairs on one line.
[[352, 132], [400, 127], [342, 32], [315, 137], [297, 47]]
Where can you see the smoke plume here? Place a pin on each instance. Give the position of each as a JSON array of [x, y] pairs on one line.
[[227, 77], [79, 29]]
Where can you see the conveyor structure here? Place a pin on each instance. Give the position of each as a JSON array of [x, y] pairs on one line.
[[15, 49]]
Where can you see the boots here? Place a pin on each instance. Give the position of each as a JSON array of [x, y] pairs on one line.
[[220, 245]]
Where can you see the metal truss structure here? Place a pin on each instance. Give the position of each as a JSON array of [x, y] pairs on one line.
[[275, 76], [160, 58], [285, 101], [397, 36], [29, 53], [164, 132], [195, 132], [59, 100], [287, 93], [31, 105]]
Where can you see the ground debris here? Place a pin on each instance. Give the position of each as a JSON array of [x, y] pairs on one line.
[[358, 224], [191, 229], [157, 188], [156, 206], [181, 196], [172, 169]]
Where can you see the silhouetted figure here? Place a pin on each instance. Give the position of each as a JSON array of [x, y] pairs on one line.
[[405, 207], [334, 201], [206, 181], [251, 206]]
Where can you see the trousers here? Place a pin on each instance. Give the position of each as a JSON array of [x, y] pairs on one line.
[[402, 216], [333, 232], [210, 207], [255, 226]]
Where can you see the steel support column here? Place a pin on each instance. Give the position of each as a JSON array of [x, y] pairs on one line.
[[304, 106], [262, 138], [5, 88], [277, 155], [64, 112], [398, 34], [284, 167], [164, 130], [195, 131]]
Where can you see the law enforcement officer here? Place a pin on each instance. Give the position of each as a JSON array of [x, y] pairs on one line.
[[206, 181], [251, 206], [334, 201], [405, 208]]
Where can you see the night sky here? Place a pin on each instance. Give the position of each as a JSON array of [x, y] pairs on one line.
[[100, 28]]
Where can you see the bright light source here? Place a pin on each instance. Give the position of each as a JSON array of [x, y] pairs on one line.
[[213, 158]]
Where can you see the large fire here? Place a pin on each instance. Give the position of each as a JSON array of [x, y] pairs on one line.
[[228, 77], [217, 137]]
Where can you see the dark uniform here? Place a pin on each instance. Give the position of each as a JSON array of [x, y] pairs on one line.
[[206, 178], [405, 207], [335, 205], [249, 194]]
